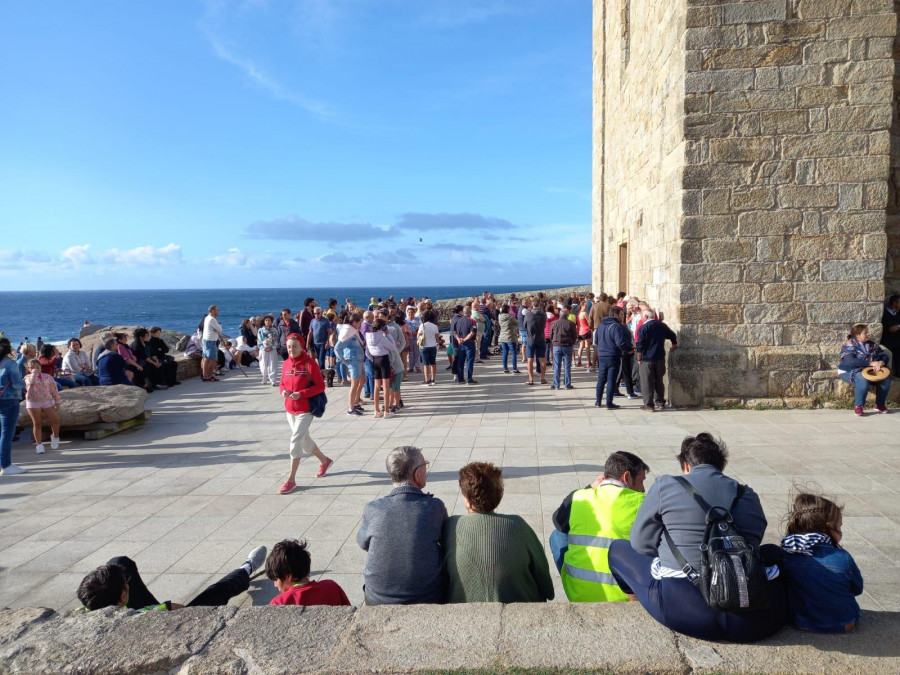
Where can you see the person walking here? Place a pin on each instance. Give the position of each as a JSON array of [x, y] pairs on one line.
[[11, 390], [267, 340], [300, 380], [563, 334], [650, 350], [42, 402]]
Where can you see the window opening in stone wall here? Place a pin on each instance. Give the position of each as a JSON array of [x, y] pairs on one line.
[[623, 267]]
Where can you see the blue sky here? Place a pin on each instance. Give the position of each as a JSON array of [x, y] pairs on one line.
[[255, 143]]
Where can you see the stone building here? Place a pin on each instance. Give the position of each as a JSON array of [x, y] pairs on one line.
[[746, 165]]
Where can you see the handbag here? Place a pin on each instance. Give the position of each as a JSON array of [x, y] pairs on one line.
[[420, 339], [317, 403]]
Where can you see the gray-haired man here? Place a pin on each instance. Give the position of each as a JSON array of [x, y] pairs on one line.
[[402, 534]]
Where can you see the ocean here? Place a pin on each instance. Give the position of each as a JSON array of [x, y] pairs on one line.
[[56, 316]]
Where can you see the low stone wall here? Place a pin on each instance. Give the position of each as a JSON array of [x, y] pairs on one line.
[[444, 308], [484, 638]]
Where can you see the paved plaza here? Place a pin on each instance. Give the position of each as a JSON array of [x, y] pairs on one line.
[[189, 493]]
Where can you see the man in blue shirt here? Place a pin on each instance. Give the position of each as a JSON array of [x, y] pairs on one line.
[[319, 330], [463, 329]]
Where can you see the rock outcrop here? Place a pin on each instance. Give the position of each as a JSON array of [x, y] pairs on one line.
[[90, 405]]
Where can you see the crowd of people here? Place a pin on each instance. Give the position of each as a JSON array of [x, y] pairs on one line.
[[612, 541]]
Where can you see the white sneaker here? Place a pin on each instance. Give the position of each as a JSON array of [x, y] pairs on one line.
[[256, 558], [11, 470], [54, 442], [39, 449]]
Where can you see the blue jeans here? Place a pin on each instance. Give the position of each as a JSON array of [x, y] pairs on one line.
[[64, 383], [86, 380], [562, 357], [607, 374], [369, 387], [9, 413], [486, 343], [465, 361], [678, 605], [320, 353], [559, 544], [508, 348], [861, 389], [341, 370]]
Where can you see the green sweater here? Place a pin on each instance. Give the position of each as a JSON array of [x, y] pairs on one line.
[[491, 557]]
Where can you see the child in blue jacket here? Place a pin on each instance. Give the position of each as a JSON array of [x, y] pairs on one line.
[[821, 578]]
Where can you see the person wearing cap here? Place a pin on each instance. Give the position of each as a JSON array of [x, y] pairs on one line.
[[301, 379]]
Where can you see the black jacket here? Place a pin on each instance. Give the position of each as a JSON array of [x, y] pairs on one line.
[[651, 340]]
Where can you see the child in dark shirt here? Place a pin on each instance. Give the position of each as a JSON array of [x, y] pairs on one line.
[[822, 579], [288, 567]]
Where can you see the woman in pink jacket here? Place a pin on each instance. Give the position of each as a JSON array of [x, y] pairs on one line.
[[42, 401], [300, 379]]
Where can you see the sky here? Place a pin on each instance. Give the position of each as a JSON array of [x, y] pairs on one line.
[[271, 144]]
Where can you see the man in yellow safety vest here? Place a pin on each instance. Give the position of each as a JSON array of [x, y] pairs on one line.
[[589, 520]]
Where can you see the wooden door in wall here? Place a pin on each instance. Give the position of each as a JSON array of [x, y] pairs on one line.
[[623, 268]]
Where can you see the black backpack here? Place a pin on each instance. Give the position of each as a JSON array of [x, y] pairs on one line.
[[732, 576]]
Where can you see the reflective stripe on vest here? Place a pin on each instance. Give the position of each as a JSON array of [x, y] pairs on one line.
[[599, 516]]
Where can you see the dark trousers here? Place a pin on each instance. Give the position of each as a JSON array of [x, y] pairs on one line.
[[485, 344], [169, 370], [218, 594], [608, 375], [465, 361], [678, 605], [626, 373], [320, 349], [652, 373]]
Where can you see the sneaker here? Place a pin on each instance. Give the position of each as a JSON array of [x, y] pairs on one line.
[[570, 386], [11, 470], [394, 409], [54, 442], [592, 370], [256, 558], [516, 372], [359, 407], [323, 468], [648, 408], [858, 410], [613, 406], [553, 386], [39, 449], [426, 383], [388, 415], [631, 397], [378, 413], [287, 487], [355, 412], [431, 384], [880, 408], [506, 371], [472, 382]]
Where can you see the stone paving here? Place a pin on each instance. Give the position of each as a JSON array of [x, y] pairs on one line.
[[190, 492]]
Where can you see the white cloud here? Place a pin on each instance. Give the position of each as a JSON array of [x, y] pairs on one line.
[[78, 255], [170, 254]]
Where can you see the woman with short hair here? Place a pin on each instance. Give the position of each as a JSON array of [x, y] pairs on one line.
[[427, 343], [301, 379], [859, 354], [78, 364], [492, 557]]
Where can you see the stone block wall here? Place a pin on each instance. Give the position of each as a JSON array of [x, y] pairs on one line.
[[784, 196], [639, 145]]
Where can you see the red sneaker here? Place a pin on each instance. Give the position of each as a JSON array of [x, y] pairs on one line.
[[324, 467], [881, 409], [287, 487], [858, 410]]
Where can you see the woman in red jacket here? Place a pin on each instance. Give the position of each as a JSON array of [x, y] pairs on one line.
[[300, 379]]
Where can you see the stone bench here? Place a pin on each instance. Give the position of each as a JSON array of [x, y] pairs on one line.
[[97, 411], [489, 637]]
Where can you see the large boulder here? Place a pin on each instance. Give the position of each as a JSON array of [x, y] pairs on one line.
[[94, 340], [89, 405]]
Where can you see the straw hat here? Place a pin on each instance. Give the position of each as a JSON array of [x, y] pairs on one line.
[[870, 374]]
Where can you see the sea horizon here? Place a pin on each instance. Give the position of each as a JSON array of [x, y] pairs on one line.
[[56, 317]]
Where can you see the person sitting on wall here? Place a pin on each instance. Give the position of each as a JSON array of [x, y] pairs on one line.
[[860, 357], [492, 557], [890, 335], [118, 584], [78, 363], [589, 520], [160, 351], [111, 366]]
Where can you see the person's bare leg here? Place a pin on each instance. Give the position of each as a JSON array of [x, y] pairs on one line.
[[295, 464], [377, 396], [54, 421], [544, 370], [318, 455], [530, 369], [36, 424]]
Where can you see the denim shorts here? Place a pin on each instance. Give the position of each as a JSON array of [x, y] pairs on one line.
[[429, 355], [210, 350], [354, 369], [397, 381], [535, 351]]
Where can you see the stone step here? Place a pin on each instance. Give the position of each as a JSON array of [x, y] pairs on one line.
[[488, 637]]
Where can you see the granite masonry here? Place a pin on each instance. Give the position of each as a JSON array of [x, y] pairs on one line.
[[746, 170]]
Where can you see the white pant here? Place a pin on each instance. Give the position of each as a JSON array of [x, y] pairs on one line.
[[268, 365], [301, 441]]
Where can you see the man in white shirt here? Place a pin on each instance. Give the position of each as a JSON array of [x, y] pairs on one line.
[[212, 332]]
